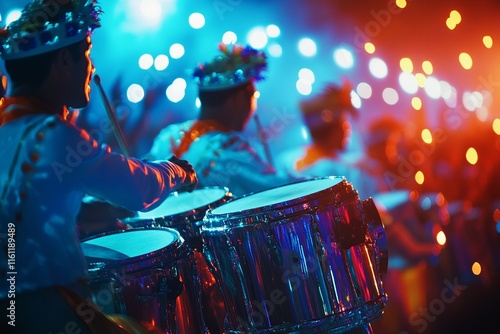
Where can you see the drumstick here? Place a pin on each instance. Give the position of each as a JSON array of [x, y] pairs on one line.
[[263, 140], [112, 118]]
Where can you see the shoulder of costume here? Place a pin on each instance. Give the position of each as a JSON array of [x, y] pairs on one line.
[[186, 125], [62, 130], [181, 126], [174, 130]]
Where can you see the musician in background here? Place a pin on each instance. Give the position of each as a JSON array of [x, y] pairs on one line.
[[411, 221], [3, 86], [327, 118], [213, 142], [47, 167], [382, 142]]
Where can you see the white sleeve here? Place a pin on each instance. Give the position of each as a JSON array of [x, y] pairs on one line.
[[167, 139], [127, 182]]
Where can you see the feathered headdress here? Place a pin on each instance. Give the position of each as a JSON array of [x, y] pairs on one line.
[[48, 25], [235, 66]]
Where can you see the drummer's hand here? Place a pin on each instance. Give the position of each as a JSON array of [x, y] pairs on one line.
[[191, 180], [123, 226]]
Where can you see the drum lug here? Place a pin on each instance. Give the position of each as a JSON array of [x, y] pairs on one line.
[[320, 248], [172, 287], [274, 252]]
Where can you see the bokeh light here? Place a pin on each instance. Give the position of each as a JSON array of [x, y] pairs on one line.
[[370, 48], [161, 62], [12, 16], [406, 65], [472, 156], [441, 238], [364, 90], [426, 136], [307, 47], [378, 68], [476, 268], [451, 24], [455, 16], [257, 37], [275, 50], [496, 126], [304, 87], [307, 75], [175, 93], [408, 82], [390, 96], [419, 177], [416, 103], [343, 58], [465, 60], [135, 93], [401, 3], [196, 20], [356, 100], [421, 79], [488, 41], [273, 31], [151, 10], [176, 50], [427, 67], [432, 87], [146, 61]]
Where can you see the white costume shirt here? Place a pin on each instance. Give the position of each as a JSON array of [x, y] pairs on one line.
[[47, 166], [222, 159]]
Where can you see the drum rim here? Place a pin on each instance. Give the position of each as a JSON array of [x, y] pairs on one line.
[[227, 196], [104, 234], [175, 248], [280, 205]]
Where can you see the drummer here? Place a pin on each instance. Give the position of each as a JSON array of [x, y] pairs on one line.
[[213, 142], [48, 165], [327, 116]]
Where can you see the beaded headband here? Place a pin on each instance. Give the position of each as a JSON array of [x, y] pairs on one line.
[[235, 66], [47, 25]]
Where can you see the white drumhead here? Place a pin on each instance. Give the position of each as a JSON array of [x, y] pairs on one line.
[[183, 202], [128, 244], [277, 195]]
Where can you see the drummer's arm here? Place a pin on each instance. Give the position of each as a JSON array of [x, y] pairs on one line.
[[127, 182], [132, 183]]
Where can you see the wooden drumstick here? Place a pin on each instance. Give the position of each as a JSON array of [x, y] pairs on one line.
[[112, 117]]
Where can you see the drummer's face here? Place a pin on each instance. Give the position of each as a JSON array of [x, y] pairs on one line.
[[81, 74]]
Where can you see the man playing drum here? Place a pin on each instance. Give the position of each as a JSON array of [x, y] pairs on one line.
[[48, 165]]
